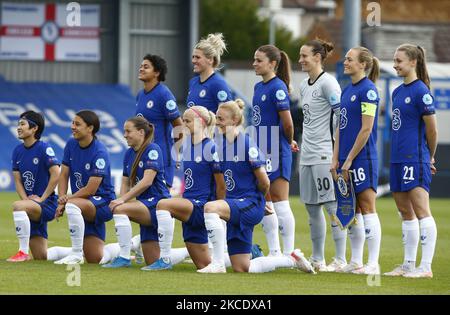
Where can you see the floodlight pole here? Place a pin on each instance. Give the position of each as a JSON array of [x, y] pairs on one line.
[[272, 27], [352, 24]]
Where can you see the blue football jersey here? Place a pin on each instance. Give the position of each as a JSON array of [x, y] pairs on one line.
[[269, 98], [408, 141], [208, 94], [151, 159], [159, 107], [238, 160], [83, 163], [200, 163], [356, 100], [33, 164]]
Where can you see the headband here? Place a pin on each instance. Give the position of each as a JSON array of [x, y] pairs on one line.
[[198, 114], [30, 122]]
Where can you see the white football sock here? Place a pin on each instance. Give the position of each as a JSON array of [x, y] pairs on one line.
[[270, 228], [267, 264], [286, 224], [76, 228], [177, 255], [123, 233], [372, 228], [136, 243], [166, 226], [357, 237], [58, 252], [318, 227], [339, 236], [411, 236], [110, 252], [225, 243], [22, 223], [227, 260], [428, 236], [216, 233]]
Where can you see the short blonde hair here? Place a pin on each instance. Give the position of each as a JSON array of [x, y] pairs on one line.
[[236, 108], [213, 46]]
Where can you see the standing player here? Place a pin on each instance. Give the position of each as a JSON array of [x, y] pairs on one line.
[[355, 152], [320, 95], [36, 171], [143, 179], [86, 163], [203, 182], [206, 88], [157, 104], [246, 183], [413, 145], [275, 137]]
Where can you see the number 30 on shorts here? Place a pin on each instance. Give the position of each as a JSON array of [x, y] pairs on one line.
[[323, 183]]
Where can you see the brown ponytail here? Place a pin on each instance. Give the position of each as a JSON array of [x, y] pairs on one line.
[[322, 47], [414, 52], [283, 65], [140, 123], [372, 63]]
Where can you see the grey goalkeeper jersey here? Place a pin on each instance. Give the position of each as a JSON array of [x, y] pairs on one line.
[[318, 101]]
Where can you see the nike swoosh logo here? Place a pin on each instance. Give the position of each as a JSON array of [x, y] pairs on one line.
[[18, 162], [357, 184], [321, 196], [407, 182]]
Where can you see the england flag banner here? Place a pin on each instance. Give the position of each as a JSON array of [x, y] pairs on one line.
[[31, 31], [346, 200]]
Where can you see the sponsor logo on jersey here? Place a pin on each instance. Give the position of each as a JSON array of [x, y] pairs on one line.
[[306, 114], [141, 164], [256, 117], [87, 166], [35, 161], [263, 97], [353, 98], [149, 104], [408, 100], [202, 93], [188, 180], [396, 120]]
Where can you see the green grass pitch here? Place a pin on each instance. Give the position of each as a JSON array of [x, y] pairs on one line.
[[42, 277]]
